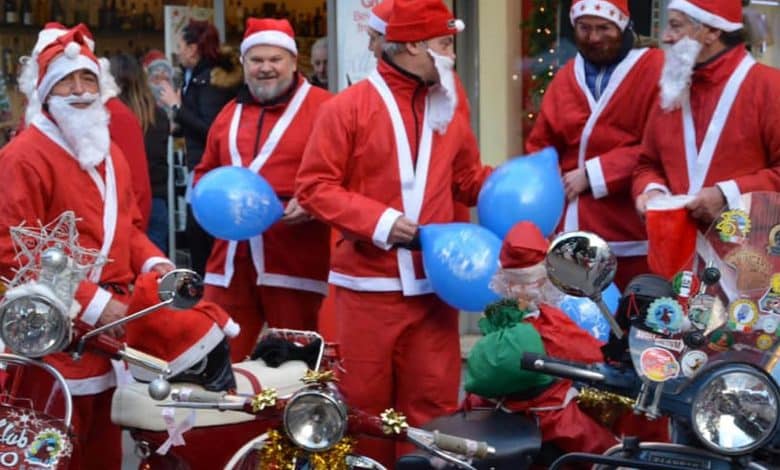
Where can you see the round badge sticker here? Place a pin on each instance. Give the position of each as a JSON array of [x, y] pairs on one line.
[[692, 362], [768, 323], [664, 315], [743, 315], [658, 364], [764, 342]]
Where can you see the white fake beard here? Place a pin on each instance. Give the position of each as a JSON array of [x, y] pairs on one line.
[[85, 130], [676, 75], [529, 295], [443, 96]]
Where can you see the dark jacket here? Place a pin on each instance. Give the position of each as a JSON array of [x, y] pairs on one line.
[[212, 85], [156, 143]]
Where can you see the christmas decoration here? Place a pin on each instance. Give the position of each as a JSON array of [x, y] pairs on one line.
[[604, 407], [279, 453], [265, 399], [318, 377], [541, 53], [393, 422]]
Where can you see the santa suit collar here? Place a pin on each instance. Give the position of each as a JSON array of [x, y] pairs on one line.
[[718, 68]]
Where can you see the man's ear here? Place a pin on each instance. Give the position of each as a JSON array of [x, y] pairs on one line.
[[414, 48]]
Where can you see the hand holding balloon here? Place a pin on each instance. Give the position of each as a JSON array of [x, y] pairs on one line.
[[403, 231], [294, 213]]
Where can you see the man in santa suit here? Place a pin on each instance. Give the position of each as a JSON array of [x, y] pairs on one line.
[[387, 154], [64, 160], [608, 90], [716, 134], [279, 276], [124, 126]]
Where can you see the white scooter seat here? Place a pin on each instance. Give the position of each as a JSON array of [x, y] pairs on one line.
[[132, 407]]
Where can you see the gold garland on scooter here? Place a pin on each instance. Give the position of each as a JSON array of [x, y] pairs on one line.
[[279, 453]]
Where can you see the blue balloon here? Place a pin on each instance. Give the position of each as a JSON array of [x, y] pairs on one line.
[[460, 260], [587, 314], [524, 188], [235, 203]]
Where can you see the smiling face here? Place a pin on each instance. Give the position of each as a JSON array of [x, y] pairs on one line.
[[76, 83], [268, 71]]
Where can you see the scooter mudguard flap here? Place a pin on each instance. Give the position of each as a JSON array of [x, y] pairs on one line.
[[515, 437]]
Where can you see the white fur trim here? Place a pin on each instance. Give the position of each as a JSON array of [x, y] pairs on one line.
[[108, 85], [527, 275], [61, 67], [704, 16], [92, 385], [459, 24], [731, 193], [656, 187], [96, 306], [377, 24], [269, 38], [598, 184], [365, 284], [383, 227], [600, 8], [187, 358], [154, 260]]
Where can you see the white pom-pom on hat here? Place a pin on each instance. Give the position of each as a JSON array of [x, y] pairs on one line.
[[459, 25], [72, 50]]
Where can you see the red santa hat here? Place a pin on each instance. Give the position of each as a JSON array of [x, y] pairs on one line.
[[420, 20], [268, 32], [52, 30], [380, 15], [181, 337], [63, 56], [725, 15], [152, 57], [615, 11], [524, 246]]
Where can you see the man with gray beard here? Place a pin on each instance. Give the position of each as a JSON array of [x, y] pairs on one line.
[[279, 276], [65, 161], [716, 134]]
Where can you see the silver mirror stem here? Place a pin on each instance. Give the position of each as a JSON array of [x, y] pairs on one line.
[[616, 330], [122, 321]]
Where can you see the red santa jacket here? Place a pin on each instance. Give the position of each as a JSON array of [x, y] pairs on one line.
[[736, 148], [41, 180], [362, 169], [291, 256], [603, 137]]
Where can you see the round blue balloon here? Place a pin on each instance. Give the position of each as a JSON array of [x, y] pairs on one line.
[[460, 260], [587, 314], [235, 203], [524, 188]]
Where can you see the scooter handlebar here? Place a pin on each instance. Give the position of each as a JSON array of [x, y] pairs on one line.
[[559, 368], [191, 395], [462, 446], [147, 361]]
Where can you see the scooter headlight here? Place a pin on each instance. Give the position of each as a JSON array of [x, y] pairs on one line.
[[34, 326], [735, 412], [315, 419]]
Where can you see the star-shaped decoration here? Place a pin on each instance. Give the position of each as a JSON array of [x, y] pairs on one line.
[[265, 399], [53, 246], [393, 422]]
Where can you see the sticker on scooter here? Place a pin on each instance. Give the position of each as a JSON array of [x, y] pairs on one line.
[[752, 267], [659, 365], [721, 341], [770, 301], [665, 315], [773, 246], [743, 315], [764, 342], [692, 362], [48, 447], [733, 226], [768, 323]]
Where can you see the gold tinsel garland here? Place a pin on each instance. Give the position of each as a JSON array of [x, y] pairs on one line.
[[312, 377], [279, 453], [604, 407]]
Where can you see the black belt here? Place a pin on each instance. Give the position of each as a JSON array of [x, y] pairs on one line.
[[118, 289]]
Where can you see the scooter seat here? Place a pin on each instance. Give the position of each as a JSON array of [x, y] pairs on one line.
[[516, 438], [132, 407]]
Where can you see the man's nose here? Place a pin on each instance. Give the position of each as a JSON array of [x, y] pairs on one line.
[[667, 37], [78, 86]]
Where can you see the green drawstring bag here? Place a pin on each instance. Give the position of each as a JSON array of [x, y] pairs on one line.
[[493, 366]]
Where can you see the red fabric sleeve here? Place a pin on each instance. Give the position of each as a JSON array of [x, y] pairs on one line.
[[321, 180], [564, 339], [211, 155], [543, 133], [649, 168], [126, 132], [468, 171]]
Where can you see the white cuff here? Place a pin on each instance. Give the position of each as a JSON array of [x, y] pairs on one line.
[[96, 306], [231, 328], [149, 263], [657, 187], [598, 185], [731, 192], [383, 227]]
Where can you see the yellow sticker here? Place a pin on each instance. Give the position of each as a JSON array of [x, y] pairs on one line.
[[733, 226]]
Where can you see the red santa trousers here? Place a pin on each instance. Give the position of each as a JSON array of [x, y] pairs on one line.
[[629, 267], [251, 305], [400, 352], [99, 445]]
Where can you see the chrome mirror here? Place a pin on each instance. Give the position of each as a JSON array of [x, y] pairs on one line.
[[184, 288], [582, 264]]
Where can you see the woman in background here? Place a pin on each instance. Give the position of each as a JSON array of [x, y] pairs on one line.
[[212, 76], [137, 95]]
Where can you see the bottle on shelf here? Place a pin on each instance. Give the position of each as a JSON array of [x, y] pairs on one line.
[[317, 29], [147, 19], [112, 17], [26, 13], [11, 13]]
